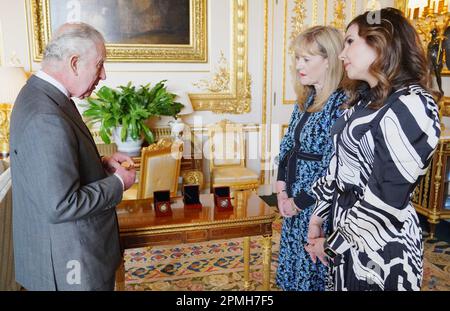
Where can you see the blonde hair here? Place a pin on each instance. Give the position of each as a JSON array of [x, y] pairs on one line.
[[327, 42]]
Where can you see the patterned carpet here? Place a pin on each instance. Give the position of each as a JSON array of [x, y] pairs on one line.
[[218, 265]]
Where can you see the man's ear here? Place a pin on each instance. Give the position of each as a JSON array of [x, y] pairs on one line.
[[74, 64]]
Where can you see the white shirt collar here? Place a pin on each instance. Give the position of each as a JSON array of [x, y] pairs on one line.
[[46, 77]]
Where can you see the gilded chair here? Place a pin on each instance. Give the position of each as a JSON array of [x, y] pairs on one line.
[[159, 169], [227, 157]]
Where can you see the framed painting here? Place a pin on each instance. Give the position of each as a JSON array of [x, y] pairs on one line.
[[134, 30]]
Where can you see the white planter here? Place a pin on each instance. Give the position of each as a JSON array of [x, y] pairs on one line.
[[129, 146]]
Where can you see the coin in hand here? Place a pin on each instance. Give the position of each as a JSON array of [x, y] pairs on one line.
[[127, 165]]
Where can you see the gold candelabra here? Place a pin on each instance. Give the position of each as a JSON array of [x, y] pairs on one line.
[[431, 19], [427, 15]]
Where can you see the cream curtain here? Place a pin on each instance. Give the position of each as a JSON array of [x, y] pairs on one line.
[[7, 281]]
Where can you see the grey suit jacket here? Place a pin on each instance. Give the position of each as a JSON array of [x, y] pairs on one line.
[[65, 226]]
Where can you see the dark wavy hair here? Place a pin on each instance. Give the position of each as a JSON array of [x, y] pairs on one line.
[[401, 59]]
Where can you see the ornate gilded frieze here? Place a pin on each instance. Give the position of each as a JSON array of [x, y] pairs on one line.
[[339, 15], [297, 21], [220, 81]]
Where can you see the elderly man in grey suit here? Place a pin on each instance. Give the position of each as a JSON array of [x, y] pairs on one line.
[[65, 225]]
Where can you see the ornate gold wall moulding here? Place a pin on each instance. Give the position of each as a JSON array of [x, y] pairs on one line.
[[400, 4], [122, 51], [445, 106], [238, 98], [220, 81], [297, 21], [315, 10], [297, 26], [339, 15], [5, 114]]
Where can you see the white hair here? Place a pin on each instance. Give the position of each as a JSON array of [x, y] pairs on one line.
[[72, 38]]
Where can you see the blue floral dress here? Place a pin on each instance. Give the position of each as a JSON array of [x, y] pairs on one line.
[[309, 138]]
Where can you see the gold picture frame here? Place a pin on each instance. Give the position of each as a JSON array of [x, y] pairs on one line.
[[121, 50], [233, 96]]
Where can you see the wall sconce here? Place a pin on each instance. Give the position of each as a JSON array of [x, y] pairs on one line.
[[12, 79]]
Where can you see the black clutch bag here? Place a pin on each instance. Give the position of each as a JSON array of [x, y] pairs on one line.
[[191, 197], [222, 199], [161, 202]]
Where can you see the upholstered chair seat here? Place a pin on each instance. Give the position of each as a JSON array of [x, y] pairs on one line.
[[224, 175]]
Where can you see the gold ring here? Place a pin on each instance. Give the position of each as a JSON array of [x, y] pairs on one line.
[[294, 209]]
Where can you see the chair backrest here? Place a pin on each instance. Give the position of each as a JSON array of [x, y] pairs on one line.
[[226, 144], [160, 168]]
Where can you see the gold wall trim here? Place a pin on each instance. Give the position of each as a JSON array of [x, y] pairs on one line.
[[264, 95], [339, 15], [238, 99], [315, 10], [401, 5], [196, 51], [297, 25], [325, 12], [353, 8], [297, 21]]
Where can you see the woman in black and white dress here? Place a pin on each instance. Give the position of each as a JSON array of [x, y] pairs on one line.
[[383, 145]]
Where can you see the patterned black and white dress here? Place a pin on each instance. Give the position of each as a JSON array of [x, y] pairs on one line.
[[380, 154]]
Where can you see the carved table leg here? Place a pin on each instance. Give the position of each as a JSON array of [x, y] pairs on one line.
[[246, 262], [267, 258], [432, 229], [120, 276]]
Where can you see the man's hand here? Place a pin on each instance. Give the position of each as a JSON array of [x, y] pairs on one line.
[[110, 163], [128, 175], [122, 165]]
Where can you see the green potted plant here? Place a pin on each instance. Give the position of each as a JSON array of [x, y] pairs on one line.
[[122, 112]]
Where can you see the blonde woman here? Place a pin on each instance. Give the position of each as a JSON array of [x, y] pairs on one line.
[[306, 150]]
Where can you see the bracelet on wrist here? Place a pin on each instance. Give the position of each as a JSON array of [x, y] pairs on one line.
[[281, 191]]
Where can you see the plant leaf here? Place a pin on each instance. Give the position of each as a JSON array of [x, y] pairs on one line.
[[104, 135]]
